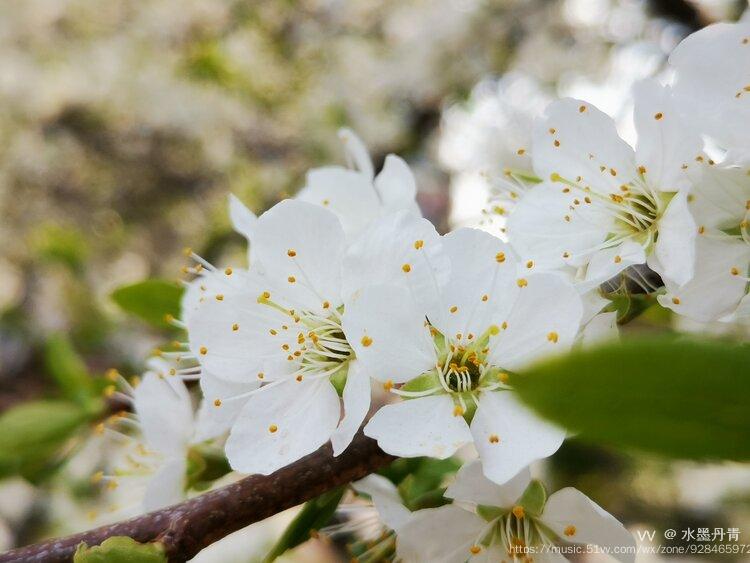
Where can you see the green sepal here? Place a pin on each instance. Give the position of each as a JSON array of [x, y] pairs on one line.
[[424, 382], [338, 379], [490, 513], [534, 498], [120, 549]]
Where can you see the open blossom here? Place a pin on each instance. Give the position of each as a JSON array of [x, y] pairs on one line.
[[720, 207], [448, 349], [603, 206], [283, 327], [513, 522], [150, 465], [712, 83]]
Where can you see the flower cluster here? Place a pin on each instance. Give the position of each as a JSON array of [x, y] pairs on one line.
[[349, 290]]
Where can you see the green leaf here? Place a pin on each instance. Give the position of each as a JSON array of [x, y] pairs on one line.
[[680, 398], [120, 549], [68, 369], [314, 515], [151, 300], [33, 435]]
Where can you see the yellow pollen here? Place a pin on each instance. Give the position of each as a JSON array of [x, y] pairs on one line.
[[475, 549], [552, 337], [676, 300], [552, 130], [291, 253], [570, 531], [618, 259], [261, 375], [556, 143], [273, 428], [285, 346], [504, 325], [587, 199], [273, 332], [235, 327], [326, 304], [494, 330], [521, 282], [520, 152], [112, 374], [220, 297], [701, 230], [530, 264], [555, 177], [494, 438], [172, 371], [582, 109], [203, 350], [366, 341], [187, 251], [735, 271], [518, 511], [299, 378], [406, 268], [458, 410], [418, 244], [388, 385], [658, 116], [453, 309], [291, 279], [228, 271], [613, 171], [485, 297], [500, 257], [217, 402]]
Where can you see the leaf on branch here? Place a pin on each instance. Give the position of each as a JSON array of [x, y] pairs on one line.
[[314, 515], [120, 549], [68, 370], [150, 300], [33, 435], [680, 398]]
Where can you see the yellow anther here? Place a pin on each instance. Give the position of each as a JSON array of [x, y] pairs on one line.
[[618, 259], [418, 244], [220, 297], [552, 337], [504, 325], [299, 378], [235, 327], [285, 346], [500, 257], [485, 297], [406, 268], [458, 410], [168, 318], [567, 218], [521, 282], [217, 402], [475, 549], [494, 439], [187, 251], [291, 253], [109, 390], [453, 309], [518, 511], [172, 371], [228, 271], [570, 530], [203, 350], [552, 130], [97, 477], [555, 177], [530, 264], [676, 300], [520, 152], [388, 385], [366, 341], [273, 428], [273, 332], [99, 428], [658, 116], [112, 374], [566, 254], [735, 271], [503, 377], [587, 199], [291, 279], [326, 304], [112, 485], [261, 375], [325, 201], [582, 109], [556, 143], [494, 330], [701, 230]]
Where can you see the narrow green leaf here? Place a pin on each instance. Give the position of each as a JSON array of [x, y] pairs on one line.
[[32, 435], [314, 515], [151, 300], [680, 398], [68, 369], [120, 549]]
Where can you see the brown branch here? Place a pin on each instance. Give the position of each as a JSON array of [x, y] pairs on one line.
[[184, 529]]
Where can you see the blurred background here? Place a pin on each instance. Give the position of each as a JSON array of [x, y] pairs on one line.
[[124, 126]]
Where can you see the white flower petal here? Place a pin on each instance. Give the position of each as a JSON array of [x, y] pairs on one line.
[[302, 244], [396, 186], [667, 143], [439, 535], [545, 319], [348, 194], [165, 412], [602, 328], [675, 249], [544, 229], [576, 139], [419, 427], [711, 68], [220, 406], [356, 152], [577, 519], [167, 486], [356, 404], [243, 220], [398, 249], [472, 486], [388, 334], [509, 437], [386, 499], [283, 424], [609, 262], [482, 284]]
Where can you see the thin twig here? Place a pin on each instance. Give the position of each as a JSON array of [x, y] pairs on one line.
[[184, 529]]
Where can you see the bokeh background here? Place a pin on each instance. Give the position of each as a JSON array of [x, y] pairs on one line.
[[125, 125]]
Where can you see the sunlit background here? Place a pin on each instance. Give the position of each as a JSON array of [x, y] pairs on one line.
[[125, 125]]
